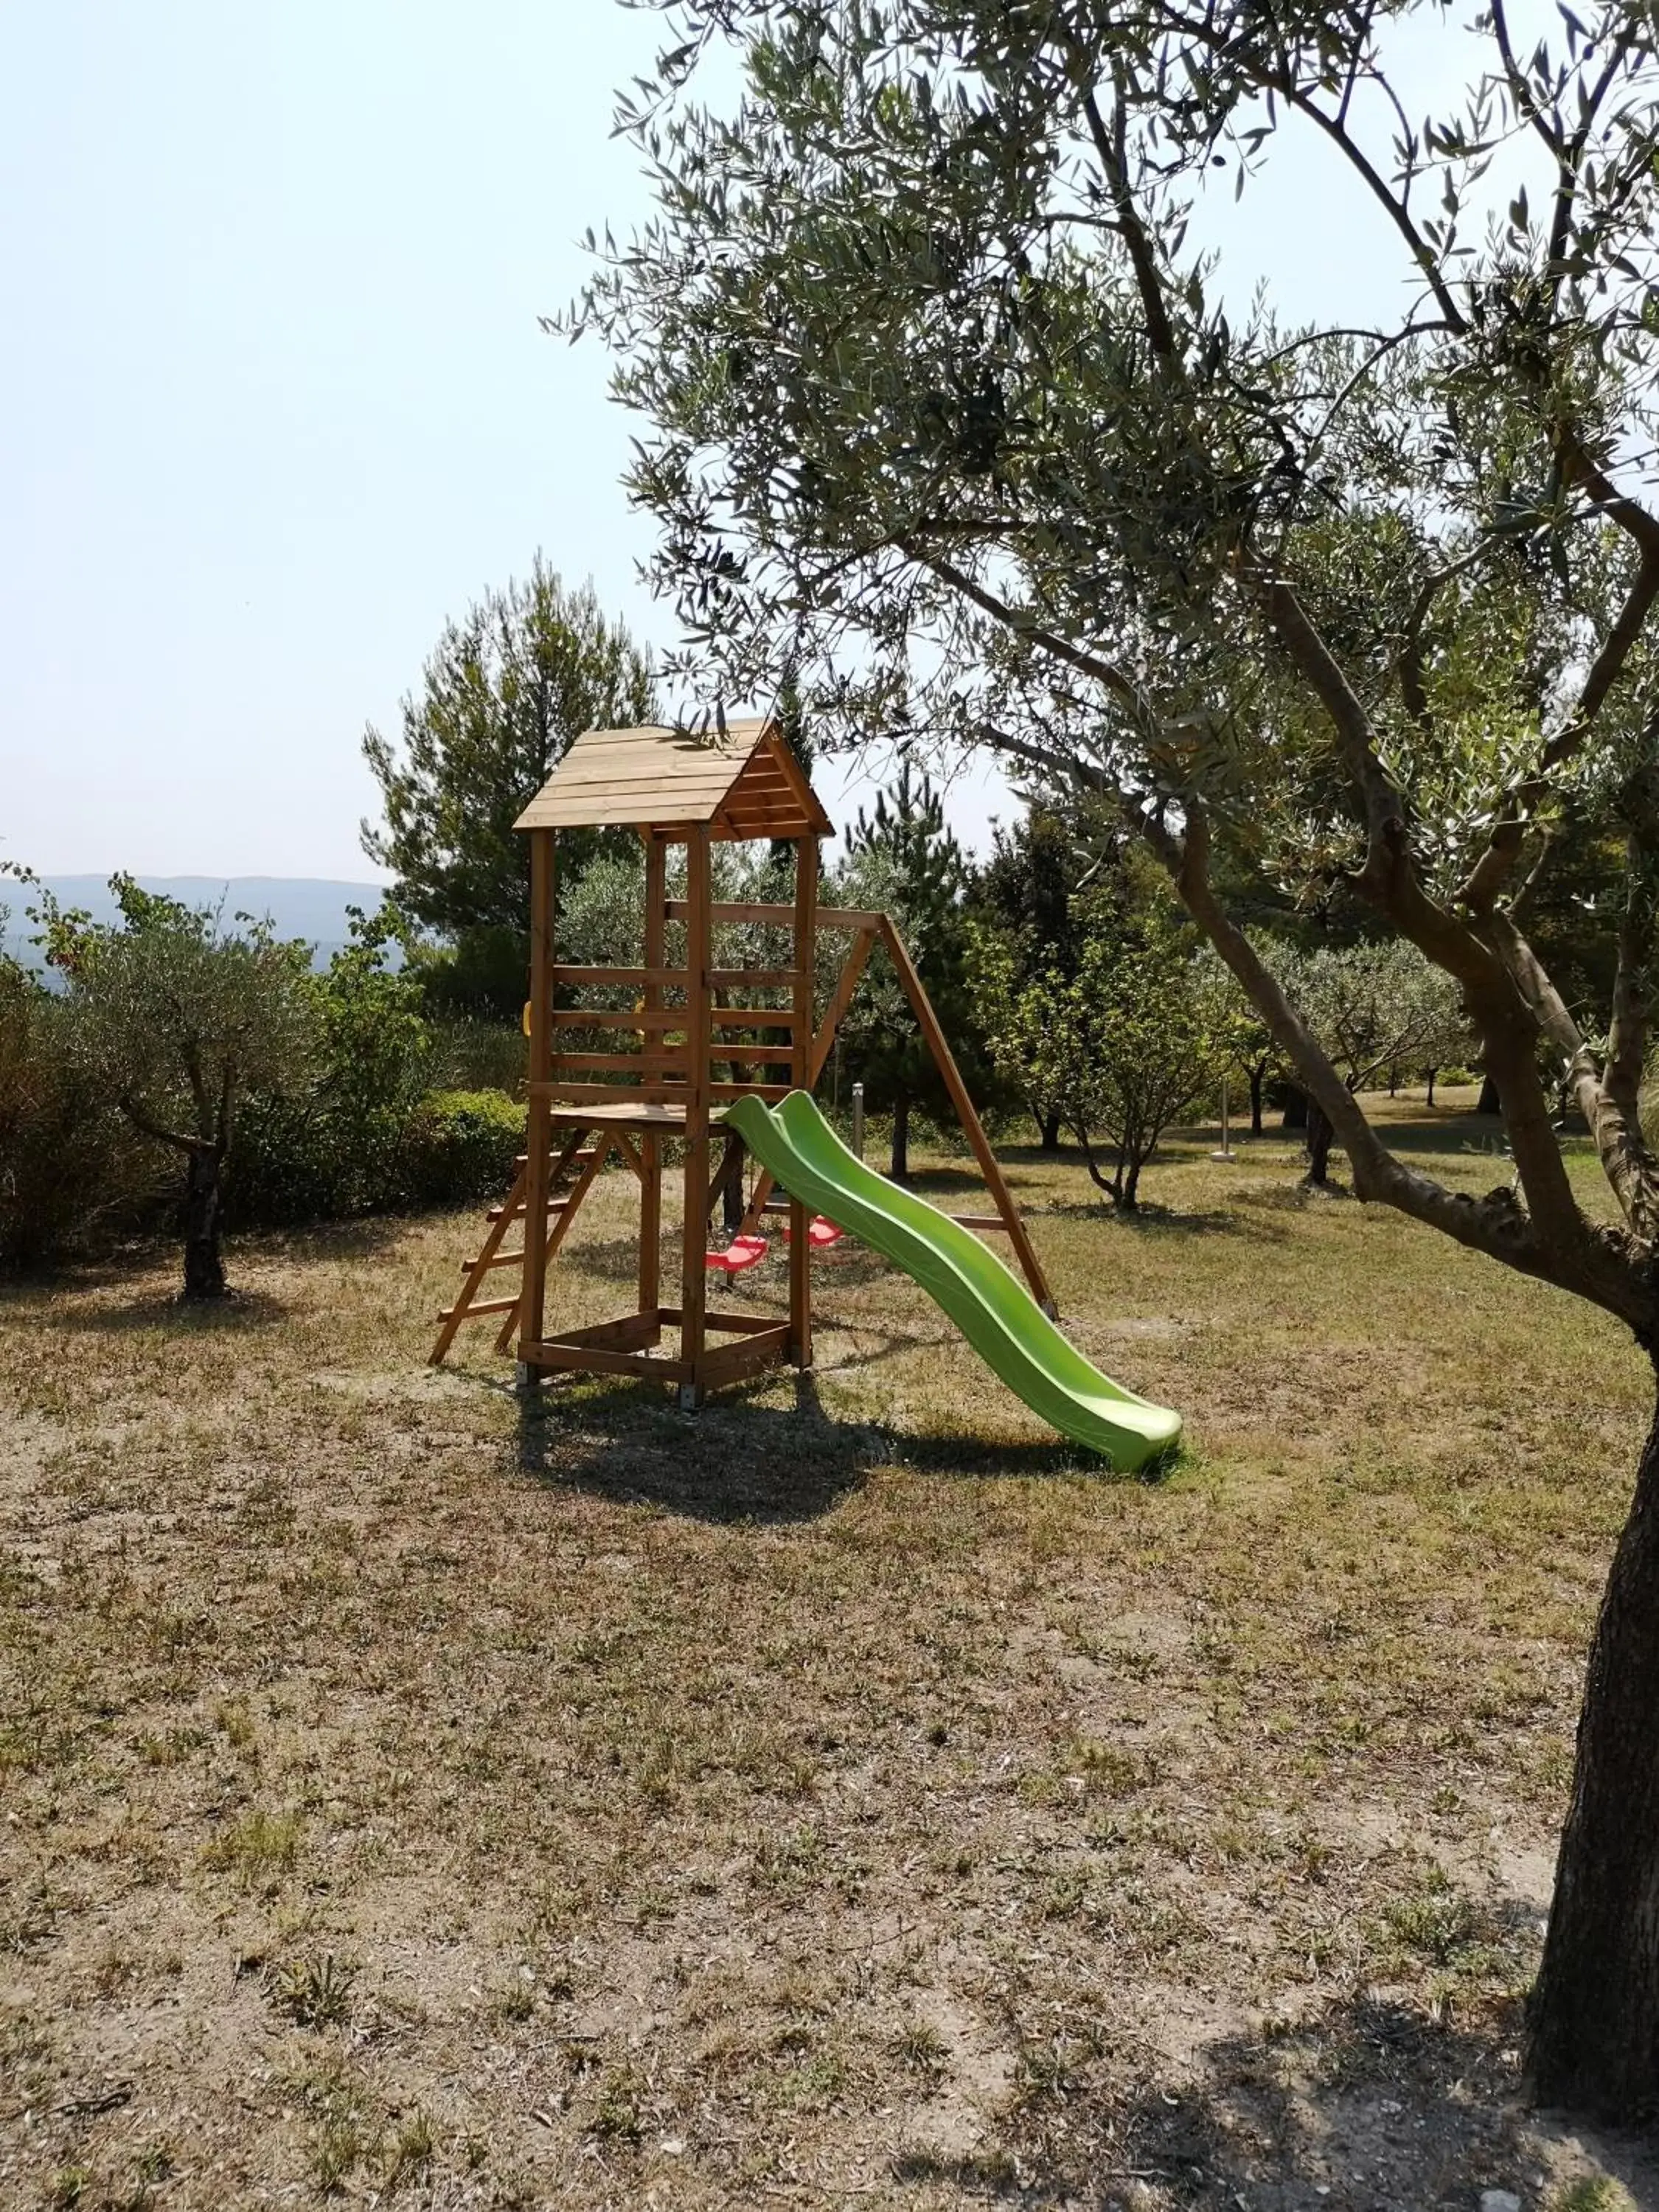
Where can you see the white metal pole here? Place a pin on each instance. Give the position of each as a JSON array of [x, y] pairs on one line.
[[858, 1119]]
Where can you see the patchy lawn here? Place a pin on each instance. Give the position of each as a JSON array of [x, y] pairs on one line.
[[844, 1796]]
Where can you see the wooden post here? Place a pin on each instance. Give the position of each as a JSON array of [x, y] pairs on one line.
[[539, 1131], [699, 958], [802, 1074], [656, 900], [990, 1167]]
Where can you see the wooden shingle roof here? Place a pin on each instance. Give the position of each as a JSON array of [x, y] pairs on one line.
[[742, 781]]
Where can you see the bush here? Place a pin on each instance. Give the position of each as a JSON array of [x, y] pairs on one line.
[[461, 1146], [72, 1173], [478, 1055]]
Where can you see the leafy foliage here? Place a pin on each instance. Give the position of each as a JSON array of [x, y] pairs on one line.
[[503, 694], [903, 859], [175, 1019], [72, 1171], [1121, 1049]]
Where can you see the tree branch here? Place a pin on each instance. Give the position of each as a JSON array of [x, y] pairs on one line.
[[147, 1126]]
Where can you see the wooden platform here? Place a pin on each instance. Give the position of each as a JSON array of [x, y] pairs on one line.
[[647, 1116]]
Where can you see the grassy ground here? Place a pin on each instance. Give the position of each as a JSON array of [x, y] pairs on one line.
[[843, 1797]]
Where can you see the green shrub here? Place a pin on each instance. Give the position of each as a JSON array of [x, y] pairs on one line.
[[73, 1173], [478, 1055], [462, 1145], [333, 1144]]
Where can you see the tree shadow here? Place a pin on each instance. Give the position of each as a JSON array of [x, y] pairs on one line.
[[738, 1458], [1151, 1221], [240, 1312], [1371, 2107]]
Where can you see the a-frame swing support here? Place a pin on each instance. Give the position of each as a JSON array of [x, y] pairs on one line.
[[691, 1058]]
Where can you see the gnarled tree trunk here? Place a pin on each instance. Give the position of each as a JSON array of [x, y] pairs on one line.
[[204, 1266], [1048, 1133], [1594, 2015], [1257, 1077], [1295, 1110]]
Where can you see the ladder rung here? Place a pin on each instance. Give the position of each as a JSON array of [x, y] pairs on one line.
[[488, 1306], [554, 1206], [495, 1259]]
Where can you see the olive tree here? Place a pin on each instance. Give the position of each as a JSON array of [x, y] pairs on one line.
[[176, 1018], [1119, 1050], [952, 422]]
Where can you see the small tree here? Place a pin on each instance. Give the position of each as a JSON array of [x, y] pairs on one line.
[[1372, 1007], [177, 1018], [1120, 1051], [502, 695], [1025, 891]]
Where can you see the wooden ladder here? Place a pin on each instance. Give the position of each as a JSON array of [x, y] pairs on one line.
[[579, 1158]]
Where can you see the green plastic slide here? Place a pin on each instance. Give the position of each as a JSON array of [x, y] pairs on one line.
[[993, 1310]]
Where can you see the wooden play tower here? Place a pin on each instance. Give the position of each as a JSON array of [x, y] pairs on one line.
[[688, 1040]]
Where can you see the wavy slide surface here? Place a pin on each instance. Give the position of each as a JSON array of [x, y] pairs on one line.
[[991, 1307]]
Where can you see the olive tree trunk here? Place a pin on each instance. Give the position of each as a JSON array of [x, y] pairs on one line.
[[1257, 1076], [205, 1265], [1594, 2015], [1048, 1133], [1320, 1133]]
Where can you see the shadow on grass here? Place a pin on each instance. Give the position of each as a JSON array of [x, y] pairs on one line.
[[1151, 1220], [740, 1459], [1369, 2106], [241, 1310]]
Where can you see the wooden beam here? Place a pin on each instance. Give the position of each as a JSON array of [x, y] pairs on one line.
[[597, 1359], [694, 1219], [801, 1075], [732, 1363], [624, 978], [545, 1248], [656, 881], [973, 1128], [538, 1130]]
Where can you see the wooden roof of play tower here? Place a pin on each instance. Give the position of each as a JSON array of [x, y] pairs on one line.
[[742, 781]]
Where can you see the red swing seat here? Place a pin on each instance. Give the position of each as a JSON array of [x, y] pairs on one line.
[[743, 1253]]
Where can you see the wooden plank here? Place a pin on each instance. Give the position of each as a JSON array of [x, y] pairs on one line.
[[823, 1037], [546, 1250], [979, 1221], [732, 1363], [618, 1017], [698, 935], [800, 1075], [624, 1145], [538, 1130], [624, 979], [574, 1094], [458, 1313], [753, 978], [768, 1055], [656, 880], [598, 1359], [990, 1166], [619, 1063]]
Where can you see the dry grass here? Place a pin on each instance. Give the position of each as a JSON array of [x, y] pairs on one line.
[[845, 1796]]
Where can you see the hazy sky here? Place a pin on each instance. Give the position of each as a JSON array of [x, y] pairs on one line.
[[273, 400]]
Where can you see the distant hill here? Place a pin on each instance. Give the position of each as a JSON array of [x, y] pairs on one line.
[[310, 907]]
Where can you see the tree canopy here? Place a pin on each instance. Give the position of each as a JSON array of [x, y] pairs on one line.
[[953, 421], [504, 692]]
